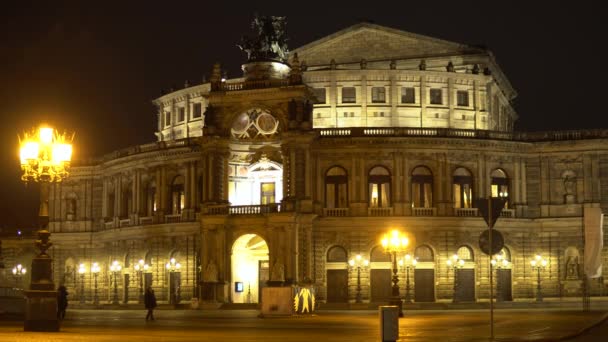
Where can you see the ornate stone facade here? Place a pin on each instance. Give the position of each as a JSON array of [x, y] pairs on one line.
[[383, 129]]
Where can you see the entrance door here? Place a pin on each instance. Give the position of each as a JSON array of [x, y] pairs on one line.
[[267, 193], [174, 287], [465, 285], [337, 286], [503, 285], [125, 288], [381, 285], [264, 276], [147, 280], [424, 285]]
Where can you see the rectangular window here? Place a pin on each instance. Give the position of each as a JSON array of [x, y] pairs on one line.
[[462, 98], [197, 110], [181, 114], [378, 95], [319, 93], [408, 95], [349, 95], [436, 96], [167, 118]]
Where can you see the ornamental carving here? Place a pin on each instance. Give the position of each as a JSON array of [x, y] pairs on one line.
[[255, 123]]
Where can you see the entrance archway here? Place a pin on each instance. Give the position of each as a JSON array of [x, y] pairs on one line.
[[250, 268]]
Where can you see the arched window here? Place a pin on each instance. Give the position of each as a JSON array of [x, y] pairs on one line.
[[465, 253], [336, 188], [379, 255], [127, 201], [424, 253], [379, 184], [422, 187], [500, 185], [72, 207], [337, 254], [462, 188], [177, 195], [505, 254]]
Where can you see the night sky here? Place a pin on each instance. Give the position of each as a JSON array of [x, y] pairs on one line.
[[94, 69]]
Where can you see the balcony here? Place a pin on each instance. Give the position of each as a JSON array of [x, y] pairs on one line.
[[144, 220], [388, 211], [424, 211], [336, 212], [173, 218], [509, 213], [466, 212], [124, 222], [242, 209]]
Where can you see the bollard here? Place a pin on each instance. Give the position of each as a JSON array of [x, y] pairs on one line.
[[389, 323]]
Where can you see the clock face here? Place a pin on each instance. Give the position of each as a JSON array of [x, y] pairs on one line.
[[254, 123]]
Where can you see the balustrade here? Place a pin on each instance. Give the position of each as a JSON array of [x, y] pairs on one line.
[[424, 211], [146, 220], [380, 211], [466, 212], [124, 222], [173, 218], [507, 213], [336, 212]]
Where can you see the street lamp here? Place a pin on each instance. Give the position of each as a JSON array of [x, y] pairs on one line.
[[141, 267], [408, 263], [44, 157], [358, 263], [173, 267], [18, 272], [81, 270], [455, 263], [115, 269], [499, 262], [538, 264], [95, 270], [395, 242]]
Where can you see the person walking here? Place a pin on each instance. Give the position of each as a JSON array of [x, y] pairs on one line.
[[150, 303], [62, 302]]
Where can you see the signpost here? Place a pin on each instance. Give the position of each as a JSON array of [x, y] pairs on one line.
[[491, 241]]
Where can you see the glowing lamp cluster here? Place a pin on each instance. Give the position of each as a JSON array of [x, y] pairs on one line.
[[538, 262], [141, 266], [95, 268], [82, 269], [499, 261], [115, 267], [408, 261], [455, 262], [358, 261], [173, 266], [45, 155], [394, 241], [19, 270]]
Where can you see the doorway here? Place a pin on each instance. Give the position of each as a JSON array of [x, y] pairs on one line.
[[249, 268]]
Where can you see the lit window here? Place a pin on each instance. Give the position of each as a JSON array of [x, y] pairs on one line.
[[500, 185], [462, 98], [319, 94], [436, 96], [462, 188], [349, 95], [378, 95], [408, 95], [379, 184], [422, 188], [336, 188]]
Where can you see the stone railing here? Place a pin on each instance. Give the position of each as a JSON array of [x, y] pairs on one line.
[[462, 133], [254, 209], [380, 211], [124, 222], [424, 211], [507, 213], [173, 218], [108, 225], [253, 84], [144, 220], [336, 212], [466, 212]]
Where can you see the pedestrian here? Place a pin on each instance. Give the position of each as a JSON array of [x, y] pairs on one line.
[[62, 302], [150, 302]]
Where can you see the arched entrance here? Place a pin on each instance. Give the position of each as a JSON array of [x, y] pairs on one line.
[[250, 268], [424, 274]]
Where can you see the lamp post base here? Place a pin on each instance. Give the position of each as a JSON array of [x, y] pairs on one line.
[[396, 301], [41, 311]]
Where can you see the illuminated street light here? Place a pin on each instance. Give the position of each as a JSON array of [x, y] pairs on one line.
[[18, 272], [115, 269], [395, 242], [358, 263], [173, 267], [408, 263], [140, 268], [455, 263], [95, 270], [81, 270], [45, 157], [538, 264]]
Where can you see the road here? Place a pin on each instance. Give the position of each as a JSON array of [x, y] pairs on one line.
[[351, 326]]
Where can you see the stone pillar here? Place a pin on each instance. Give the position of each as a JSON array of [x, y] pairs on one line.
[[363, 96], [135, 196], [423, 100], [104, 201], [157, 195], [451, 101], [187, 212], [407, 181], [193, 199], [394, 99]]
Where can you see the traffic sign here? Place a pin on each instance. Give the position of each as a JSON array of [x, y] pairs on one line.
[[498, 242], [492, 206]]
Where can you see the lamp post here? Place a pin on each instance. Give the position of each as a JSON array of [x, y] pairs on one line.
[[95, 270], [395, 242], [115, 269], [358, 263], [140, 267], [18, 272], [538, 264], [455, 263], [45, 158], [408, 263], [173, 267], [81, 270]]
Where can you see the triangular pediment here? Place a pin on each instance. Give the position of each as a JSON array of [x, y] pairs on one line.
[[374, 42]]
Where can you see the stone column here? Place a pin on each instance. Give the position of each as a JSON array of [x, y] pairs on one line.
[[135, 196], [104, 201], [451, 101], [363, 97], [423, 100], [187, 213], [394, 99]]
